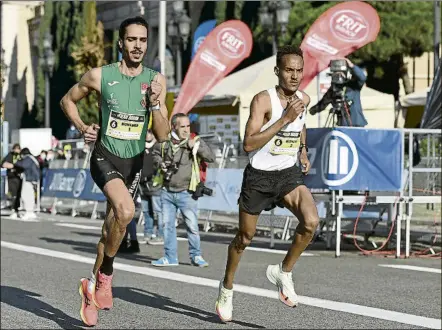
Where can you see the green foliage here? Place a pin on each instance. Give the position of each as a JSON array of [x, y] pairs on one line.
[[88, 53], [220, 11], [78, 46], [44, 27], [406, 28]]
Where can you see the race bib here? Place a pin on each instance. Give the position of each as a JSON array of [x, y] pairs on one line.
[[125, 126], [285, 143]]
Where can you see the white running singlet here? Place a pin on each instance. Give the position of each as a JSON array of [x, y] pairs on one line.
[[281, 151]]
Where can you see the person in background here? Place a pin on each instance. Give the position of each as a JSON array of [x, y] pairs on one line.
[[150, 190], [352, 90], [43, 159], [14, 180], [72, 133], [44, 165], [51, 155], [180, 157], [29, 169]]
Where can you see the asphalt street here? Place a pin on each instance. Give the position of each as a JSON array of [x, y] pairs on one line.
[[43, 261]]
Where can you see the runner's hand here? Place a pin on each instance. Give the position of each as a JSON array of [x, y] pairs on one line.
[[294, 110], [90, 134], [154, 91], [305, 163]]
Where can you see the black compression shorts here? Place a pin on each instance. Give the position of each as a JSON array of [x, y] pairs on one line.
[[264, 190], [105, 167]]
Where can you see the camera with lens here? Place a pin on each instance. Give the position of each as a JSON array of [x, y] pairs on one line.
[[171, 169], [339, 73], [201, 190]]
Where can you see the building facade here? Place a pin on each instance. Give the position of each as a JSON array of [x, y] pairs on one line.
[[18, 90]]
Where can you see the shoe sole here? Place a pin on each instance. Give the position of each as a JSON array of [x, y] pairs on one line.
[[282, 297], [200, 266], [219, 315], [83, 302]]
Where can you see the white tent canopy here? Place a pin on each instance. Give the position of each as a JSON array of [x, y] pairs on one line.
[[260, 76], [418, 98]]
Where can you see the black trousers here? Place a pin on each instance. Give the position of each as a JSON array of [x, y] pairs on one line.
[[14, 191]]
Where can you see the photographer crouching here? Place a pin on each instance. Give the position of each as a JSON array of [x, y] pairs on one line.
[[347, 80], [180, 158]]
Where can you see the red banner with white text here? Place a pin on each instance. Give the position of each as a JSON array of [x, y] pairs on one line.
[[337, 33], [224, 49]]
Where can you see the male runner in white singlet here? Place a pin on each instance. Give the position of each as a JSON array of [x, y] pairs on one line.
[[275, 137]]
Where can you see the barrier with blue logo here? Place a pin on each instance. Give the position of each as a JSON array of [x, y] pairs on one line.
[[71, 183], [355, 159], [341, 158]]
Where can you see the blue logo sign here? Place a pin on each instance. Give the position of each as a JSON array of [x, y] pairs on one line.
[[339, 158], [200, 34]]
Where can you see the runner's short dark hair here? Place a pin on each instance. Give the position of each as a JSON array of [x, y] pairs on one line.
[[288, 50], [129, 21]]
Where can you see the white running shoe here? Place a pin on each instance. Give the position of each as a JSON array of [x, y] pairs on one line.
[[14, 216], [284, 283], [224, 304]]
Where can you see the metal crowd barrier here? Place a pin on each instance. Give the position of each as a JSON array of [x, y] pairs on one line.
[[337, 205]]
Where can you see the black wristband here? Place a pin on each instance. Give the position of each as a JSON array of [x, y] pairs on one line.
[[303, 146]]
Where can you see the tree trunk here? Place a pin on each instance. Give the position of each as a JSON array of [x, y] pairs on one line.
[[403, 74]]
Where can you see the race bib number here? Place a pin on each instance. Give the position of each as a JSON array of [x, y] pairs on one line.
[[285, 143], [125, 126]]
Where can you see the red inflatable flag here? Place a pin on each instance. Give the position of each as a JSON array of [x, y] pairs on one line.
[[337, 33], [224, 49]]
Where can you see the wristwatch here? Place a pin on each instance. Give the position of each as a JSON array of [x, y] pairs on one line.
[[154, 107], [303, 146]]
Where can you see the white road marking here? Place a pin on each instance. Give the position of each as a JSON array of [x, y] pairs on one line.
[[251, 248], [20, 219], [202, 281], [419, 269], [73, 225]]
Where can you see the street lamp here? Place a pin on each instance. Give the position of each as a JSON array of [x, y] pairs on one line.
[[47, 61], [272, 15], [178, 29]]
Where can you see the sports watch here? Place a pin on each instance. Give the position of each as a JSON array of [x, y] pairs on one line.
[[303, 146], [155, 107]]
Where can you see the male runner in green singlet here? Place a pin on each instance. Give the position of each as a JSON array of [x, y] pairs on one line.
[[129, 94]]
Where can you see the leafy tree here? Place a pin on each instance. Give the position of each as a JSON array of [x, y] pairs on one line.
[[88, 53], [73, 26], [384, 58], [63, 20], [2, 80]]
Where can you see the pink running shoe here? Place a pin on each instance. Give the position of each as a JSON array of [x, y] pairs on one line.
[[103, 291], [88, 311]]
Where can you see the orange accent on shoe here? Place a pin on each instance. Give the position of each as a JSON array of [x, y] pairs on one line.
[[88, 310], [286, 299]]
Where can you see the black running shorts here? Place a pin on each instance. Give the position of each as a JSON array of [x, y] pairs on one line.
[[264, 190], [105, 166]]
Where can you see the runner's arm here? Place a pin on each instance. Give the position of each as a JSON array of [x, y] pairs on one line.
[[306, 100], [90, 81], [160, 123], [254, 139]]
